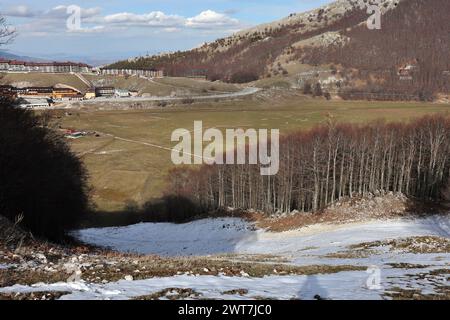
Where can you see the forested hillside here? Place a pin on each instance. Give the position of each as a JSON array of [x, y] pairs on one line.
[[246, 55], [409, 56], [407, 59]]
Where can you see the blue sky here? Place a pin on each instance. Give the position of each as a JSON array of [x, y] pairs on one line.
[[122, 28]]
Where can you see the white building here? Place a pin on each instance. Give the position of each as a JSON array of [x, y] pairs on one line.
[[122, 93], [44, 67], [34, 103], [149, 73]]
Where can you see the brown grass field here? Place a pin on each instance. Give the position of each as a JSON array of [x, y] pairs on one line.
[[155, 87], [162, 87], [42, 80], [122, 171]]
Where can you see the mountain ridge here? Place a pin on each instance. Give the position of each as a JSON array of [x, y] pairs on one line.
[[332, 35]]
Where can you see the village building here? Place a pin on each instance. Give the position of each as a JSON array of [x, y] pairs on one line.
[[45, 92], [34, 103], [105, 91], [149, 73], [122, 93], [43, 67], [90, 94], [66, 94]]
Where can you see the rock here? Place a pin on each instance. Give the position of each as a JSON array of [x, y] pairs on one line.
[[244, 274], [42, 259], [129, 278]]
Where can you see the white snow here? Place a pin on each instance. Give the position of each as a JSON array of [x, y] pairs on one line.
[[204, 237], [338, 286], [232, 235], [306, 246]]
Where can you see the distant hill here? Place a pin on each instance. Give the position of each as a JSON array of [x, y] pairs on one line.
[[12, 56], [407, 58]]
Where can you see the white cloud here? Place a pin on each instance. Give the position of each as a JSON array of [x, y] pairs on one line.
[[152, 19], [94, 29], [54, 20], [209, 18], [20, 11], [60, 12]]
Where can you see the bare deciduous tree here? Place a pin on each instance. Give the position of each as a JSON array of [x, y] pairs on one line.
[[7, 33], [330, 162]]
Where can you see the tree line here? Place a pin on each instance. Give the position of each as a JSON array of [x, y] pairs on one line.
[[325, 164]]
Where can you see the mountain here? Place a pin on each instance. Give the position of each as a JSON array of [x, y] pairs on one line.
[[407, 58], [11, 56], [88, 59], [56, 57]]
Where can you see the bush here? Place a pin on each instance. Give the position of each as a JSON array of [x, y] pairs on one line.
[[307, 88], [243, 77], [162, 104], [318, 90], [187, 101], [40, 178]]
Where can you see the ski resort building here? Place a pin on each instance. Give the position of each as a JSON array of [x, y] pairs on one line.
[[44, 67], [149, 73]]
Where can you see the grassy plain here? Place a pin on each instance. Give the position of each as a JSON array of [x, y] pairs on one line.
[[135, 169]]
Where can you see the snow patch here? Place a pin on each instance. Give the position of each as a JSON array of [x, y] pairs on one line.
[[203, 237], [338, 286], [233, 235]]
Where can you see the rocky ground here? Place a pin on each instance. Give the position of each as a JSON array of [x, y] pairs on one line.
[[321, 256], [27, 261]]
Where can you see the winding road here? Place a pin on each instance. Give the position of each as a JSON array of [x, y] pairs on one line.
[[242, 93]]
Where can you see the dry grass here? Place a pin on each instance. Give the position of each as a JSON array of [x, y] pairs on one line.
[[260, 258], [105, 266], [157, 267], [241, 292], [172, 294], [42, 80], [407, 266], [163, 86], [17, 296], [359, 209], [124, 171], [351, 254], [443, 293], [418, 245]]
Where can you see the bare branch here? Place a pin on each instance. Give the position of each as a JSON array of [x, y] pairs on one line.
[[7, 33]]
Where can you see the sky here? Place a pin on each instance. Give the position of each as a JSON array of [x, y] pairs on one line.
[[117, 29]]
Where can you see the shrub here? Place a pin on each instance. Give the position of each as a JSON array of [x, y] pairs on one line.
[[318, 90], [243, 77], [40, 178], [187, 101], [307, 88]]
